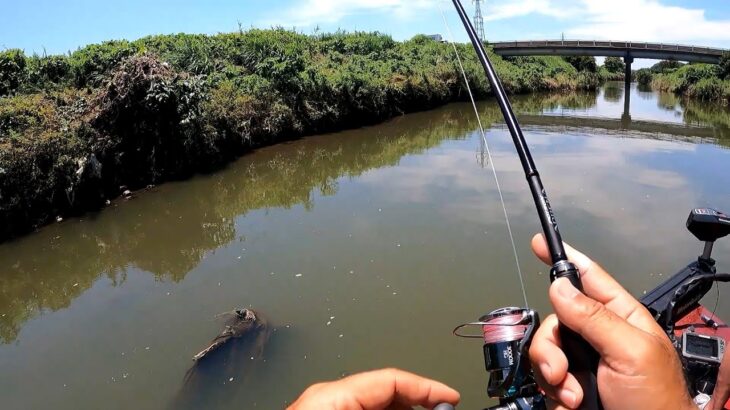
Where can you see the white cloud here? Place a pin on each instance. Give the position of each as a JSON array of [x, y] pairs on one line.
[[648, 20], [510, 9], [635, 20], [313, 12]]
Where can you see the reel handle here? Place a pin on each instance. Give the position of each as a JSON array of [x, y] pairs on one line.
[[582, 357], [444, 406]]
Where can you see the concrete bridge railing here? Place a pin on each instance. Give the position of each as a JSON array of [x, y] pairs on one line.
[[609, 44], [607, 48]]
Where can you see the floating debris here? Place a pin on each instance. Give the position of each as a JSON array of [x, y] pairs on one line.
[[230, 379], [329, 323], [341, 335], [298, 275]]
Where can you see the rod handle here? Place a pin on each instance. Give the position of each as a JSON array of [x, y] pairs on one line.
[[582, 357]]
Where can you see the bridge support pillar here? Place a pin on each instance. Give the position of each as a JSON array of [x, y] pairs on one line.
[[626, 117], [627, 74]]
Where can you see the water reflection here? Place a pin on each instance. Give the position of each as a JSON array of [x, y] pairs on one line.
[[687, 120], [613, 92], [168, 232], [359, 240]]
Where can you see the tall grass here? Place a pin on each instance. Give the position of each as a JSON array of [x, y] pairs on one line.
[[699, 81], [75, 128]]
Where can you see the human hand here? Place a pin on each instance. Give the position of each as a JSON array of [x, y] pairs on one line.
[[376, 390], [638, 369], [722, 386]]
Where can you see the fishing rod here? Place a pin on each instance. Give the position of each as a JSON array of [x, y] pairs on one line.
[[582, 358]]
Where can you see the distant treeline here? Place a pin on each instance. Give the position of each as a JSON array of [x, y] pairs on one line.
[[702, 81], [77, 130]]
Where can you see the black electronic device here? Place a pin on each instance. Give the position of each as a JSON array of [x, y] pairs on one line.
[[702, 348]]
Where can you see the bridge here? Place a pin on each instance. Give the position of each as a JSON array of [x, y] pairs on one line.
[[626, 49]]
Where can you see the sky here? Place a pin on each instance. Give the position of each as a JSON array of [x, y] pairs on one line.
[[59, 26]]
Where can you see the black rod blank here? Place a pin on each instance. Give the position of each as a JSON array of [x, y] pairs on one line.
[[582, 358], [547, 218]]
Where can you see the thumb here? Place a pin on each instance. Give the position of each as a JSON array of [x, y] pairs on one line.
[[612, 337]]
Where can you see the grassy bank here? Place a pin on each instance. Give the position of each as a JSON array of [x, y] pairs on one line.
[[78, 130], [707, 82]]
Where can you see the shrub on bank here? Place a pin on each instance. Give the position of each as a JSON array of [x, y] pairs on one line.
[[644, 76], [723, 68], [75, 129], [694, 80], [12, 70]]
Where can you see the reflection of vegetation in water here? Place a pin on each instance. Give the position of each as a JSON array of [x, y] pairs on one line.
[[537, 103], [704, 114], [698, 113], [667, 101], [613, 92], [168, 234], [644, 89]]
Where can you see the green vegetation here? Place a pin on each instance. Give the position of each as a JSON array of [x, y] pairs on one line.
[[613, 69], [78, 129], [700, 81], [615, 65], [583, 63], [177, 237]]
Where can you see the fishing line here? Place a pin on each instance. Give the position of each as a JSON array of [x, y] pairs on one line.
[[489, 153], [717, 300]]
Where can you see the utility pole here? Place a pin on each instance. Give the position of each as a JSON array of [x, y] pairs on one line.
[[478, 20]]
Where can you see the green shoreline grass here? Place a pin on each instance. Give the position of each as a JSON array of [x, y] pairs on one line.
[[707, 82], [77, 130]]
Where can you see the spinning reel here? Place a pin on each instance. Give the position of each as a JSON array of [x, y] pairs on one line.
[[507, 334]]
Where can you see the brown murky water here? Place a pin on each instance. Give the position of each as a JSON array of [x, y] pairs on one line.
[[363, 249]]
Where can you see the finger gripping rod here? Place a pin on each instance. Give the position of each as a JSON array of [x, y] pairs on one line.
[[582, 358]]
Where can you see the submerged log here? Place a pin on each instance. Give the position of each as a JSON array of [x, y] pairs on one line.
[[229, 358]]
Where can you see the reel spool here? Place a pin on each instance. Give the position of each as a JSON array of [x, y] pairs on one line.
[[507, 333]]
